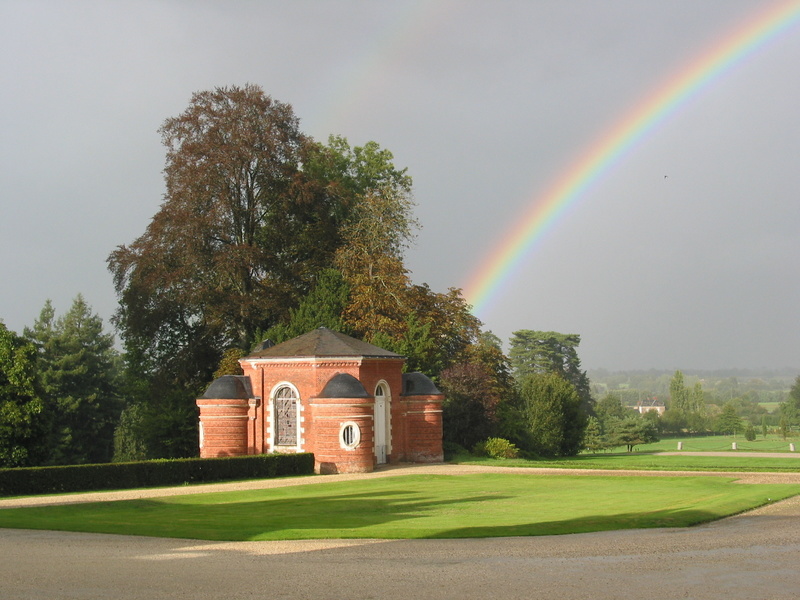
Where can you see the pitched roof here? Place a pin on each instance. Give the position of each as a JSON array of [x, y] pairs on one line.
[[323, 342]]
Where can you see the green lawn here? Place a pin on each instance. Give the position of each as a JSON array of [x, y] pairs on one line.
[[416, 506], [721, 443], [733, 461], [650, 462]]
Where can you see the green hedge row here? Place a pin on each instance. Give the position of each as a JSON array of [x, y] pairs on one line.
[[153, 473]]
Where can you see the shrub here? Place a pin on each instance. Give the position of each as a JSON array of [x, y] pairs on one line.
[[153, 473], [496, 448], [750, 433]]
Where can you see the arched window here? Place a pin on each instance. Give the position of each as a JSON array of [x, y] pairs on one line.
[[285, 415]]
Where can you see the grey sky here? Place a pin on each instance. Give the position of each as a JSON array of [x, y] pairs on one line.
[[486, 103]]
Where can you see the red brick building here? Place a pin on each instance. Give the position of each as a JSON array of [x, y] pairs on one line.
[[324, 392]]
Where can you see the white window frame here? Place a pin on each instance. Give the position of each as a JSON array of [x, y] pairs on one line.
[[356, 435]]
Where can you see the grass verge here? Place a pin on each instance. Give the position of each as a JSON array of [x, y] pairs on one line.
[[416, 506], [649, 461]]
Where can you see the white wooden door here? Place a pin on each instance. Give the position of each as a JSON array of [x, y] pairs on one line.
[[380, 425]]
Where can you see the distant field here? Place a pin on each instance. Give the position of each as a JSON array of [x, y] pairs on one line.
[[719, 443], [416, 506], [646, 457], [652, 462]]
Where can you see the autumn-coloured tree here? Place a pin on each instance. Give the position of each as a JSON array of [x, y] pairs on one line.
[[371, 261], [481, 400], [238, 239]]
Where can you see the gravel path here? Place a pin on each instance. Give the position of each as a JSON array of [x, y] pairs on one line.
[[754, 555]]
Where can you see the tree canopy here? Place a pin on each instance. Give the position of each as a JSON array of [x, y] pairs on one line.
[[265, 232], [553, 411], [21, 406], [239, 236], [540, 352]]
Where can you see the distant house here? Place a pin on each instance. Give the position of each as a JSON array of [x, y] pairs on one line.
[[324, 392], [644, 406]]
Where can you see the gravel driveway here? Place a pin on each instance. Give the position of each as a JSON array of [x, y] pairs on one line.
[[754, 555]]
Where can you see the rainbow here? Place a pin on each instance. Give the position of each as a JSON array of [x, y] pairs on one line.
[[507, 258], [406, 24]]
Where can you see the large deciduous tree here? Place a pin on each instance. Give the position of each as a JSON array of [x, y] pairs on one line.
[[239, 237]]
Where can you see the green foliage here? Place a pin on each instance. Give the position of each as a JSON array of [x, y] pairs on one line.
[[416, 343], [229, 365], [322, 307], [593, 438], [496, 448], [790, 409], [481, 399], [554, 416], [130, 435], [540, 352], [728, 420], [80, 374], [678, 394], [470, 404], [610, 407], [78, 478], [22, 422], [633, 431], [750, 433]]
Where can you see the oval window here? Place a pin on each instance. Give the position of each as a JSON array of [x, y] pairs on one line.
[[349, 435]]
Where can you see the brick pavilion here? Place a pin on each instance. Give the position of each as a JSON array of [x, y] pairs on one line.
[[324, 392]]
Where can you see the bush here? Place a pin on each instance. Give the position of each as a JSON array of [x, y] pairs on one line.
[[750, 433], [154, 473], [496, 448]]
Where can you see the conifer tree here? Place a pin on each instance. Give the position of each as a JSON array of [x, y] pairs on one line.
[[79, 370]]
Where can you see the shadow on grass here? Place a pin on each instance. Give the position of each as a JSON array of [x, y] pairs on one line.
[[340, 516], [588, 524]]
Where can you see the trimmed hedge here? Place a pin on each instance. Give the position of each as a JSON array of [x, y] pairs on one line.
[[153, 473]]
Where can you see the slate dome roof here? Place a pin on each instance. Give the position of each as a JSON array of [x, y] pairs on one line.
[[417, 384], [344, 385], [229, 387]]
